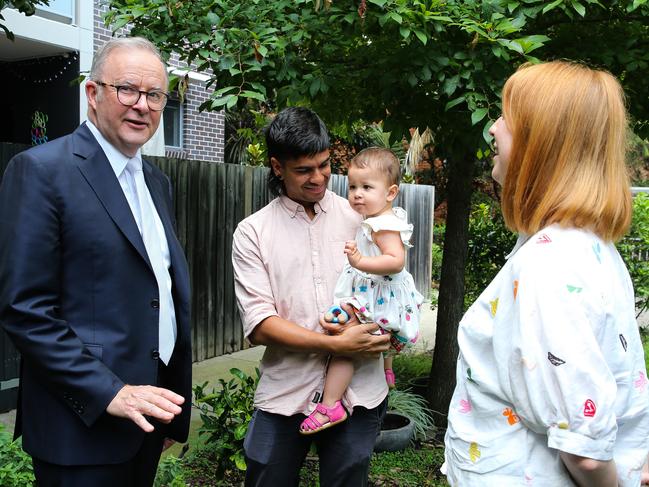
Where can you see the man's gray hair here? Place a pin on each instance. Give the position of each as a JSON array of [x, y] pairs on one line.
[[104, 51]]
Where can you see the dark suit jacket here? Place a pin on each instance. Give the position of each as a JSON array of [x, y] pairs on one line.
[[77, 297]]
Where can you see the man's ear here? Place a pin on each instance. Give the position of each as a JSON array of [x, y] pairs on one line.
[[276, 167], [393, 191], [91, 94]]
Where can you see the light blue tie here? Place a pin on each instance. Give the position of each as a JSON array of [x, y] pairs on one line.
[[152, 241]]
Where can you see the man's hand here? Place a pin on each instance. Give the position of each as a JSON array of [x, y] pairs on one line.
[[356, 338], [134, 402], [354, 255]]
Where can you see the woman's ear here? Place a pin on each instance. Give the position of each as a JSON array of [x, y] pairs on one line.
[[393, 191]]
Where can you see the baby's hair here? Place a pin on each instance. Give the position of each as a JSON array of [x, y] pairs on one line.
[[380, 159]]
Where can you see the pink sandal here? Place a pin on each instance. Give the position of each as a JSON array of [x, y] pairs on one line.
[[390, 378], [336, 414]]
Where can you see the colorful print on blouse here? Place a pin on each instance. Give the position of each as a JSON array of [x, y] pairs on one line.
[[555, 347]]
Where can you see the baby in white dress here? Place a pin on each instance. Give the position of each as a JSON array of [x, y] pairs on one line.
[[374, 281]]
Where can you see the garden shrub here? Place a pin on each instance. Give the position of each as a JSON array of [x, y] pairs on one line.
[[489, 242], [171, 472], [409, 365], [15, 465], [226, 413], [634, 249]]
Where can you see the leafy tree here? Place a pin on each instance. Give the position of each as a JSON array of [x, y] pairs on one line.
[[27, 7], [409, 63]]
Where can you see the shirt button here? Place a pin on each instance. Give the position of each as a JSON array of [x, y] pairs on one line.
[[155, 355], [155, 303]]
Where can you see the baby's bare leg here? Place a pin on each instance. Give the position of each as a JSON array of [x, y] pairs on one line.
[[339, 375], [387, 362]]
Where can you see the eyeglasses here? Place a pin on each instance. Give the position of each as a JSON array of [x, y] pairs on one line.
[[129, 96]]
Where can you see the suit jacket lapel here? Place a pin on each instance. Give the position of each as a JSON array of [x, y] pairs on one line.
[[96, 169]]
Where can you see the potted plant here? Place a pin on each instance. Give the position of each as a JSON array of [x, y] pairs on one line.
[[408, 418]]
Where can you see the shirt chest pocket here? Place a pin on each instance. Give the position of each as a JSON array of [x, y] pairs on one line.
[[337, 256]]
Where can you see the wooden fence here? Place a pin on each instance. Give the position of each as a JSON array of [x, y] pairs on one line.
[[210, 200]]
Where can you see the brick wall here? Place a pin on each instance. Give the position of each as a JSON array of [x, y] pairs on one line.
[[203, 132]]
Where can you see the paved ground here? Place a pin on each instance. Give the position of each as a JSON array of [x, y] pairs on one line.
[[213, 369]]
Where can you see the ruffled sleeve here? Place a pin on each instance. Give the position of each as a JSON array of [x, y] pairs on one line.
[[397, 222]]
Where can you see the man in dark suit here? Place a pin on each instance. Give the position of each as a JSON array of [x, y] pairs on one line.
[[94, 287]]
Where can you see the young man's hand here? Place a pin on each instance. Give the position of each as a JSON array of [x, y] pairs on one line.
[[356, 338]]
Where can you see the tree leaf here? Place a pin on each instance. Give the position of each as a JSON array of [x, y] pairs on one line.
[[478, 115], [421, 36], [552, 5], [453, 103], [579, 8], [253, 94]]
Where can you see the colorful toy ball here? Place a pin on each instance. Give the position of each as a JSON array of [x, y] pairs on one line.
[[336, 314]]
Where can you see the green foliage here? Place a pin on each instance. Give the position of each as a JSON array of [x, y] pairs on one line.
[[413, 467], [408, 468], [489, 242], [244, 139], [442, 62], [27, 7], [437, 251], [415, 407], [16, 466], [256, 154], [408, 366], [226, 413], [171, 472], [634, 249], [644, 336]]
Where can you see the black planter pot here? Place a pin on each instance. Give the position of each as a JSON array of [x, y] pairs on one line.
[[419, 385], [396, 432]]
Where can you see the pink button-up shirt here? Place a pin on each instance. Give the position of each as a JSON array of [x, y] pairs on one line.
[[287, 265]]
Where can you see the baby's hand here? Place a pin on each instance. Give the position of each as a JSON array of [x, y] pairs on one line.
[[353, 254]]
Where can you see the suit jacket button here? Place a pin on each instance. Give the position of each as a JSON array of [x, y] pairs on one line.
[[155, 355], [155, 303]]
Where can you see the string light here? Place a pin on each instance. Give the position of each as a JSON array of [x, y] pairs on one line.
[[20, 69]]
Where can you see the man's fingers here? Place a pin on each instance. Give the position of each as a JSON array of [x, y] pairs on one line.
[[171, 395], [141, 421], [135, 402]]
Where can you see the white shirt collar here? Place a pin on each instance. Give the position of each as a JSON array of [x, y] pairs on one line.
[[116, 159]]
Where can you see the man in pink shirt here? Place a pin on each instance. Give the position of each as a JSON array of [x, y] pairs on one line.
[[287, 258]]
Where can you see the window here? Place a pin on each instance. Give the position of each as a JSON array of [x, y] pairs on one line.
[[173, 124], [58, 10]]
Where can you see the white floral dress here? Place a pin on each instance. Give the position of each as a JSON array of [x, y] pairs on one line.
[[391, 301], [550, 360]]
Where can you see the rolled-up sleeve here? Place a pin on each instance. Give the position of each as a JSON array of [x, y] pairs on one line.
[[251, 280], [560, 381]]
